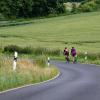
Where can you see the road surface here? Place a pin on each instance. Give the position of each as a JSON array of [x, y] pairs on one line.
[[76, 82]]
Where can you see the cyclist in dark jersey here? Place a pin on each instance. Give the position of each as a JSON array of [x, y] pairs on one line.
[[66, 53], [73, 54]]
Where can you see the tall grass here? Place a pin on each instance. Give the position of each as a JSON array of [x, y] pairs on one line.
[[92, 58], [27, 72], [42, 52]]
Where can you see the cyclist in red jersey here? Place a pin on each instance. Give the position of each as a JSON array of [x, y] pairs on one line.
[[66, 53]]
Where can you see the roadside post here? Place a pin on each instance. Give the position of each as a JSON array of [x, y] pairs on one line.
[[86, 55], [15, 60], [48, 61]]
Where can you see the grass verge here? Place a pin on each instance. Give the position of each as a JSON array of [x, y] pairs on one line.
[[92, 58], [27, 72]]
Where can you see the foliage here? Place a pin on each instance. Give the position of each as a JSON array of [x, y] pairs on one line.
[[30, 50], [30, 8], [90, 56], [73, 0], [74, 8], [2, 17], [13, 48], [26, 73], [89, 5]]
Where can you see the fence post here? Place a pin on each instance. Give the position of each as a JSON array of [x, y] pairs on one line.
[[15, 60], [85, 55], [48, 61]]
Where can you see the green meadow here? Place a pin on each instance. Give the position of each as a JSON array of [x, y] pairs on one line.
[[79, 30]]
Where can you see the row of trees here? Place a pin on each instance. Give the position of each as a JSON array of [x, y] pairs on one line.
[[85, 6], [34, 8], [89, 5], [31, 8]]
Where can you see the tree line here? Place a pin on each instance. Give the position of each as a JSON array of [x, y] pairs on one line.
[[89, 6], [85, 6], [35, 8], [31, 8]]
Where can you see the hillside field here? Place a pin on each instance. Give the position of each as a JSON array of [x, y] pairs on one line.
[[80, 30]]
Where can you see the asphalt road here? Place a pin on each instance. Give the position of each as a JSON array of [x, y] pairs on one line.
[[76, 82]]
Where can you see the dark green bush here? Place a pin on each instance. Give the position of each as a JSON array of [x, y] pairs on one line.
[[27, 50], [30, 50], [12, 48], [97, 1], [1, 17], [88, 6]]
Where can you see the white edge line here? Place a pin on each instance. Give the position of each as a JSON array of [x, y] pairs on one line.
[[31, 84]]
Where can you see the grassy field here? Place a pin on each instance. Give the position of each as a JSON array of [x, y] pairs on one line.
[[81, 31]]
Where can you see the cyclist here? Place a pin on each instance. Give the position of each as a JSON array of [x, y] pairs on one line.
[[66, 53], [73, 54]]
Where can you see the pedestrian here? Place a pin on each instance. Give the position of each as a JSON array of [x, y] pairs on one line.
[[74, 55], [66, 54]]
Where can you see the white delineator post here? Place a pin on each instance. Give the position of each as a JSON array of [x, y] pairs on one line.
[[85, 55], [48, 61], [15, 60]]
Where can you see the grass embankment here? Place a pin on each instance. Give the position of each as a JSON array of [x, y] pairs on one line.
[[27, 72]]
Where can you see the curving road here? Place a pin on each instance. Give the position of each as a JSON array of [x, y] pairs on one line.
[[76, 82]]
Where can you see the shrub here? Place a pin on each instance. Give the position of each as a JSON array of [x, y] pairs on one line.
[[1, 17], [88, 6], [13, 48], [27, 50], [30, 50], [74, 8], [97, 1]]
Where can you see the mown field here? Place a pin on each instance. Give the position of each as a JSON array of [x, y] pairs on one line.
[[81, 31]]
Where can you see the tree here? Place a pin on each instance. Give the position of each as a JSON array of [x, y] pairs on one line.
[[30, 8]]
